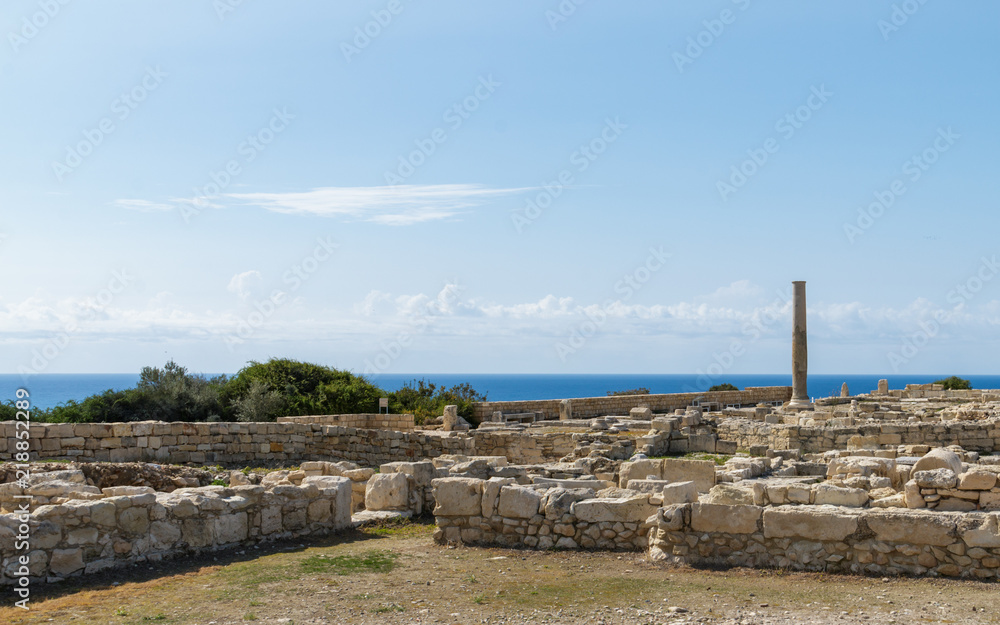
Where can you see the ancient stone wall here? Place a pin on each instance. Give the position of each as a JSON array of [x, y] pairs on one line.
[[973, 436], [499, 512], [228, 443], [371, 421], [588, 407], [81, 537], [830, 538], [273, 443]]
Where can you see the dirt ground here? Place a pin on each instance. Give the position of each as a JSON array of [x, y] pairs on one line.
[[397, 574]]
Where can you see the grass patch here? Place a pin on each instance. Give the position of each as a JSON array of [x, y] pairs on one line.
[[373, 561], [403, 528], [718, 459]]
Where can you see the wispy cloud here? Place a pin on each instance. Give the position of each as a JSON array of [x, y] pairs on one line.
[[395, 206], [143, 206], [399, 205], [242, 283]]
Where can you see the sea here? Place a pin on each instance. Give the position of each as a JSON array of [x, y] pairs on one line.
[[51, 389]]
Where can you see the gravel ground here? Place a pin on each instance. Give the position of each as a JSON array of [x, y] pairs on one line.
[[399, 575]]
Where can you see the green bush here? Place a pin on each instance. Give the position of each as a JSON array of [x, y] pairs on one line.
[[726, 386], [426, 400], [955, 383], [642, 390]]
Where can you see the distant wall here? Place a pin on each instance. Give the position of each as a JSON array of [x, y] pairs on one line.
[[983, 436], [371, 421], [228, 443], [588, 407]]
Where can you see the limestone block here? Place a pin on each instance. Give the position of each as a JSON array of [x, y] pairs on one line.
[[935, 478], [981, 531], [518, 502], [680, 492], [701, 472], [61, 488], [838, 496], [989, 501], [912, 526], [387, 491], [422, 472], [642, 413], [491, 492], [977, 479], [953, 504], [938, 458], [230, 528], [164, 534], [892, 501], [650, 487], [639, 470], [707, 517], [565, 410], [457, 496], [812, 522], [559, 501], [66, 562], [623, 509], [118, 491], [912, 496], [662, 424], [134, 520], [730, 495]]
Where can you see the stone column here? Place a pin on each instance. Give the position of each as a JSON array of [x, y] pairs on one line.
[[844, 391], [565, 410], [800, 359], [450, 420]]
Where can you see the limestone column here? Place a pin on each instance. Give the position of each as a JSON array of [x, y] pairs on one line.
[[800, 360]]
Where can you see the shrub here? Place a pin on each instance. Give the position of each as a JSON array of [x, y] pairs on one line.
[[426, 400], [955, 383], [726, 386], [642, 390]]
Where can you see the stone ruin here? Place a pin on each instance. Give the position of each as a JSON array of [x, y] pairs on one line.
[[878, 483], [892, 482]]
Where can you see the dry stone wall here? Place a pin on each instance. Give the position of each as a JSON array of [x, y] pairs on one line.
[[229, 443], [589, 407], [371, 421], [971, 435], [81, 537], [830, 538], [500, 512]]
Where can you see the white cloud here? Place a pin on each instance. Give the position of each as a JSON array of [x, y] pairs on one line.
[[389, 205], [242, 283], [143, 206]]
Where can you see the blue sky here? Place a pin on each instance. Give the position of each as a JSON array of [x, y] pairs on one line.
[[403, 186]]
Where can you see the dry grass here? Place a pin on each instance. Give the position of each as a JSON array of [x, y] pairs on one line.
[[396, 574]]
